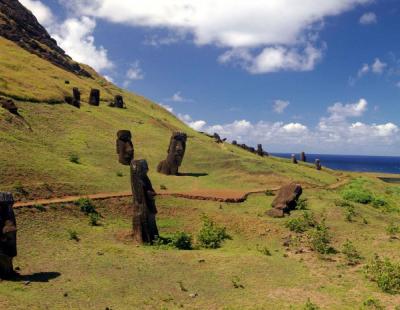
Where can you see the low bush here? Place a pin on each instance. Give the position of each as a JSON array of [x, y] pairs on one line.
[[94, 219], [358, 195], [392, 230], [74, 158], [73, 235], [352, 255], [41, 208], [320, 239], [302, 224], [86, 205], [350, 213], [211, 235], [302, 204], [385, 273], [379, 202], [310, 306], [181, 241]]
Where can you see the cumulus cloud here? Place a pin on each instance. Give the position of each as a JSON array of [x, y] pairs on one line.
[[284, 30], [41, 12], [368, 18], [340, 111], [74, 35], [376, 67], [179, 98], [135, 72], [280, 106]]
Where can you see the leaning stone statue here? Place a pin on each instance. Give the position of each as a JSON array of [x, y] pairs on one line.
[[8, 236], [286, 200], [176, 152], [144, 226], [125, 148], [94, 98]]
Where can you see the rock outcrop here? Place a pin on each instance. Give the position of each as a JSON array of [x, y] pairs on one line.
[[286, 200], [19, 25]]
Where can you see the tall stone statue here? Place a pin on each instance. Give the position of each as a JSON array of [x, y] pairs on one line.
[[144, 226], [260, 151], [318, 165], [303, 157], [125, 149], [8, 235], [176, 152], [94, 98], [75, 100]]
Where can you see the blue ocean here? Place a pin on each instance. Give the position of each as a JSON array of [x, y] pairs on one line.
[[382, 164]]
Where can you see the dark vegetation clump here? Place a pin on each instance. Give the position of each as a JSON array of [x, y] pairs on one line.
[[310, 305], [236, 282], [320, 239], [350, 213], [74, 158], [86, 206], [179, 240], [19, 189], [392, 230], [302, 204], [385, 273], [264, 250], [269, 192], [302, 224], [353, 257], [94, 219], [342, 203], [73, 235], [211, 235], [119, 174], [40, 208], [372, 303]]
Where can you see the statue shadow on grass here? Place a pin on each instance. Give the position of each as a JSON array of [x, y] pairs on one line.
[[195, 175], [42, 277]]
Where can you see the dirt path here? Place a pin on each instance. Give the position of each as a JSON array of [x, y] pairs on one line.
[[212, 195]]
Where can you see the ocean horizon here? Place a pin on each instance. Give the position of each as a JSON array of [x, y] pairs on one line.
[[355, 163]]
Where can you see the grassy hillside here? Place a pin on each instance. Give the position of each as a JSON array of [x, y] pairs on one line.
[[35, 151]]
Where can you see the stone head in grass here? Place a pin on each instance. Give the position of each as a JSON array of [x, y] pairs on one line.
[[124, 145], [286, 200], [144, 226], [94, 98], [8, 235], [176, 152]]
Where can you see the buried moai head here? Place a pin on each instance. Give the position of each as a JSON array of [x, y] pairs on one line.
[[286, 200], [119, 102], [234, 142], [9, 105], [176, 152], [94, 98], [294, 159], [318, 165], [124, 145]]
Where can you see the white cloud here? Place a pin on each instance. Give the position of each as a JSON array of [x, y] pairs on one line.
[[196, 125], [340, 111], [364, 70], [280, 106], [378, 66], [285, 31], [167, 107], [368, 18], [41, 12], [135, 72], [109, 78], [179, 98]]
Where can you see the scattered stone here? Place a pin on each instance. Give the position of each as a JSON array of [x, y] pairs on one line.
[[8, 235], [176, 152], [9, 105], [303, 157], [144, 226], [260, 151], [94, 98], [318, 165], [193, 295], [294, 159], [201, 260], [118, 102], [125, 148], [286, 200]]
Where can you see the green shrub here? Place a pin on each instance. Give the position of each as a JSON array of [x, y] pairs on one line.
[[264, 250], [385, 273], [358, 195], [372, 303], [302, 204], [379, 202], [352, 255], [320, 239], [310, 306], [94, 219], [74, 158], [392, 230], [41, 208], [350, 213], [119, 174], [73, 235], [211, 235], [182, 241], [342, 203], [301, 224], [86, 205]]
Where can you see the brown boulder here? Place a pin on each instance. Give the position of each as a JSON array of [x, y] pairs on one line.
[[9, 105], [286, 200]]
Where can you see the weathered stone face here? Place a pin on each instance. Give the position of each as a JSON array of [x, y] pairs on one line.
[[8, 234], [124, 146], [286, 200], [144, 226], [318, 165], [303, 157], [75, 100], [260, 151], [217, 138], [294, 159], [94, 98], [119, 102], [9, 105], [176, 152]]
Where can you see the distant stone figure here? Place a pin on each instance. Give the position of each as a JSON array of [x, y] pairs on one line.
[[144, 226], [9, 105], [94, 98], [8, 235], [176, 152], [125, 148], [234, 142], [75, 100], [294, 159], [118, 102], [217, 138], [318, 165], [260, 151], [303, 157], [286, 200]]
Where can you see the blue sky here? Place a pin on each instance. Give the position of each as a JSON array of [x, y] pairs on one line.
[[321, 75]]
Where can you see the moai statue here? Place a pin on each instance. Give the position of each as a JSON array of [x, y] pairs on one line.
[[9, 105], [251, 149], [318, 165], [176, 151], [76, 94], [94, 98], [125, 148], [234, 142], [260, 151], [119, 102], [217, 138], [286, 200], [144, 226], [8, 236], [303, 157], [294, 159]]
